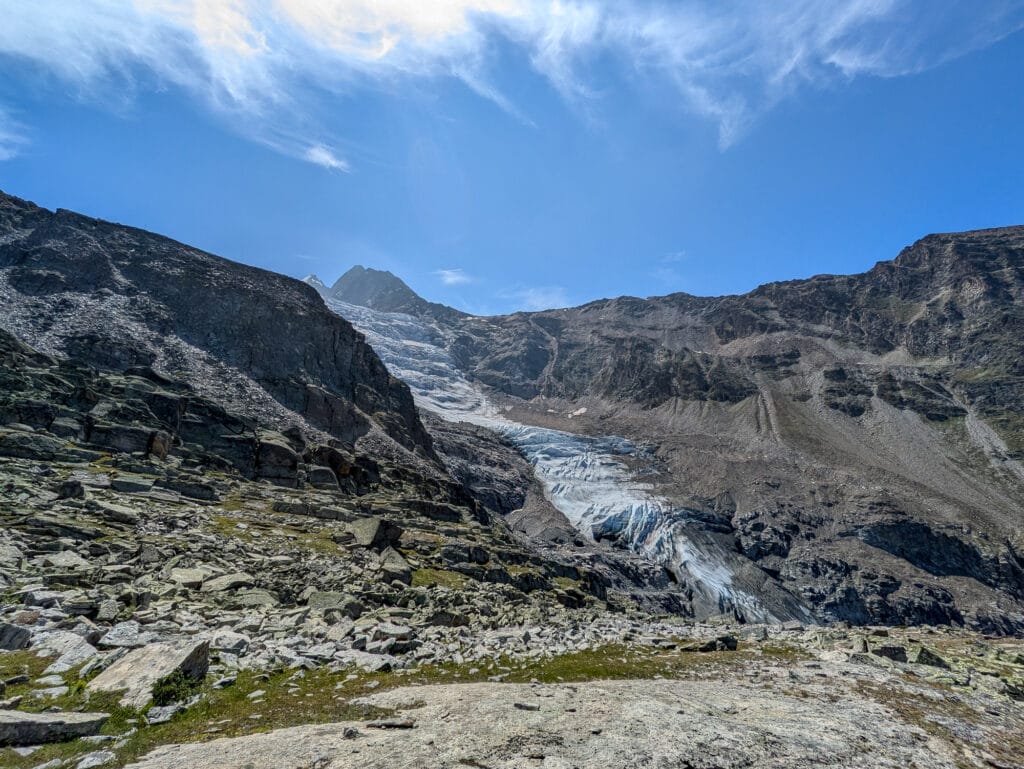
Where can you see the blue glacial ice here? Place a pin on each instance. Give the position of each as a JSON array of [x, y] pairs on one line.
[[584, 477]]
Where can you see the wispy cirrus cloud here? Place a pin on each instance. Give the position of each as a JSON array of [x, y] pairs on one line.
[[12, 136], [536, 298], [269, 64], [326, 157], [454, 277]]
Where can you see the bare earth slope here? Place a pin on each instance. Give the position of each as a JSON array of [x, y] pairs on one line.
[[858, 437]]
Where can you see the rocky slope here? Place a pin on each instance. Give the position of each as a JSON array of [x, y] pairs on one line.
[[259, 343], [855, 438]]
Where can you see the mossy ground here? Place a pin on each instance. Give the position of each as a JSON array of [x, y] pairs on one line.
[[438, 578], [226, 524]]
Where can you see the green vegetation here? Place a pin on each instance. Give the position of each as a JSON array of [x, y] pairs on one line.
[[439, 578], [303, 540], [176, 687], [565, 583]]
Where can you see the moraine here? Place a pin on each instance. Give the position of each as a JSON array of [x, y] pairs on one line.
[[584, 477]]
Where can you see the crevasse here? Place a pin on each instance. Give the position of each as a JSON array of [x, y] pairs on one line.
[[584, 477]]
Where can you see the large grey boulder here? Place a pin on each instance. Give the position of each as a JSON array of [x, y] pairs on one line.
[[375, 532], [135, 673], [14, 637], [18, 728], [228, 582], [393, 566], [65, 559]]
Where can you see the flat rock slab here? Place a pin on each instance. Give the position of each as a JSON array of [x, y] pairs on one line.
[[18, 728], [613, 725], [228, 582], [136, 672]]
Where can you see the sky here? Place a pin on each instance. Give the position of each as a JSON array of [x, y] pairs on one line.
[[504, 155]]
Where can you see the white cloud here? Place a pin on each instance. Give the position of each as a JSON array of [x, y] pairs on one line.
[[267, 65], [12, 137], [323, 156], [668, 278], [455, 277], [539, 298]]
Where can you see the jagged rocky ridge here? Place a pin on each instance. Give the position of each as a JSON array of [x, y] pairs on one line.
[[856, 439], [257, 342]]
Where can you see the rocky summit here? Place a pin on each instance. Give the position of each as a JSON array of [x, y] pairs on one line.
[[247, 521]]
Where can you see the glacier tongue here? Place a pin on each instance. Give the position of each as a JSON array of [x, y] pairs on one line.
[[585, 478]]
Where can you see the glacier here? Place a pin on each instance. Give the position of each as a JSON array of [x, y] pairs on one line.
[[584, 477]]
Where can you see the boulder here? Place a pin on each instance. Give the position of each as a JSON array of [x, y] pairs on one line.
[[18, 728], [116, 513], [275, 460], [191, 578], [229, 641], [894, 653], [65, 559], [135, 673], [14, 637], [26, 445], [59, 642], [327, 600], [125, 634], [322, 477], [926, 656], [78, 654], [719, 644], [248, 599], [135, 484], [228, 582], [378, 533], [124, 438], [95, 759], [394, 567]]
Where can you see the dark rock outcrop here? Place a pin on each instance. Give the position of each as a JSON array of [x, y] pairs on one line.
[[261, 344]]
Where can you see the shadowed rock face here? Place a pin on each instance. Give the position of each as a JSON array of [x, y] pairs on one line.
[[260, 343], [857, 438]]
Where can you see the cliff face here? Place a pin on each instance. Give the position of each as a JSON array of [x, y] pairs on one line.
[[859, 438], [260, 343]]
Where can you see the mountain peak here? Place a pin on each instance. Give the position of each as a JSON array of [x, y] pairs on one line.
[[377, 290], [315, 282]]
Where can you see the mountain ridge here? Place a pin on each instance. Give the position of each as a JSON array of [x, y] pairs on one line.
[[118, 296], [858, 437]]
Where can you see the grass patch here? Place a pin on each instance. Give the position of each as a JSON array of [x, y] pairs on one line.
[[299, 539], [439, 578], [22, 663], [232, 504]]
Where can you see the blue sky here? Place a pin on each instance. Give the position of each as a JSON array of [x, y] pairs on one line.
[[519, 154]]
